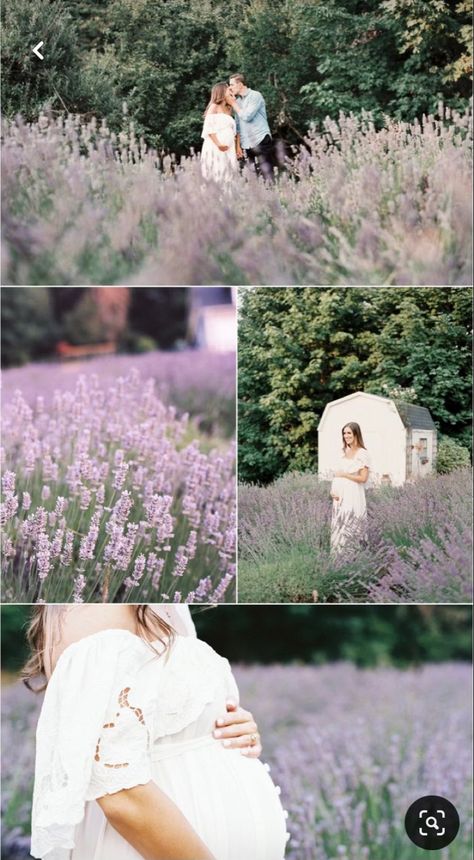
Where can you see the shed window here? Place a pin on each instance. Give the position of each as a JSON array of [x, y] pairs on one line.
[[423, 446]]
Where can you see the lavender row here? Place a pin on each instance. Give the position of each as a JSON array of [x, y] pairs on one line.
[[418, 547], [195, 381], [355, 205]]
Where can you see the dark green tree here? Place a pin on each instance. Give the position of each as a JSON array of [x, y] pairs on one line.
[[29, 84], [28, 325], [309, 58], [160, 313], [367, 635]]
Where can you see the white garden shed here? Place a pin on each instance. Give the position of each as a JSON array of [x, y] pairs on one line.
[[401, 438]]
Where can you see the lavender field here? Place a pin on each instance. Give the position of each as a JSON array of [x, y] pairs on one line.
[[198, 382], [111, 494], [419, 547], [350, 749], [356, 205]]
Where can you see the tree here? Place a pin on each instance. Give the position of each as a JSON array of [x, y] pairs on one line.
[[28, 326], [309, 58], [425, 344], [161, 313], [300, 348], [28, 84]]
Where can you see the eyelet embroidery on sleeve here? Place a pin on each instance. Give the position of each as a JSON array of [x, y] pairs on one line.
[[123, 704]]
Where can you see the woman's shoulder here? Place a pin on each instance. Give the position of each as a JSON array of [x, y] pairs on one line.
[[99, 649], [362, 456], [81, 624]]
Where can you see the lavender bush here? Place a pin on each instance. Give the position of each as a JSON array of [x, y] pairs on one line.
[[418, 548], [350, 749], [356, 206], [108, 496]]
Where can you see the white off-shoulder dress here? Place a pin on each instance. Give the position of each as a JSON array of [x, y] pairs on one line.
[[215, 164], [116, 715], [349, 511]]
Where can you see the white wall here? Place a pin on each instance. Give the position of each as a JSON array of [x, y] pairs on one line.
[[382, 429], [215, 328]]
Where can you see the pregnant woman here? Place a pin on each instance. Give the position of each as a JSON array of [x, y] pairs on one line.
[[219, 156], [128, 765], [349, 509]]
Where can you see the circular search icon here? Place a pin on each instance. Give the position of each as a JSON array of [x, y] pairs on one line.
[[432, 822]]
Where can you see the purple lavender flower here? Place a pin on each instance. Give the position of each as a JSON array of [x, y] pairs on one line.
[[118, 474]]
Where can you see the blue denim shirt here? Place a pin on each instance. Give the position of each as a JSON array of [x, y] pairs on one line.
[[251, 120]]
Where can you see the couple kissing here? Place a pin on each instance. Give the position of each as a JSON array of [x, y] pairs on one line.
[[236, 127]]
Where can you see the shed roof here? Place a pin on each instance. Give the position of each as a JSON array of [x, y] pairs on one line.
[[416, 417]]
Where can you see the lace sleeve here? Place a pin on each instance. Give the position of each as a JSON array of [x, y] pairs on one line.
[[92, 737]]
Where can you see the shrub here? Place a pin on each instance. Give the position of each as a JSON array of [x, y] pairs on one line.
[[451, 456]]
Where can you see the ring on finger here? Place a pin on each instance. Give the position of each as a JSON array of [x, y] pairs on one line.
[[253, 740]]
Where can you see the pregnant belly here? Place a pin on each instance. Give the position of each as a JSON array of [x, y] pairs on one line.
[[226, 137], [229, 800]]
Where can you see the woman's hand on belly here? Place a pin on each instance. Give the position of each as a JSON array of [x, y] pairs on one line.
[[238, 730], [147, 818]]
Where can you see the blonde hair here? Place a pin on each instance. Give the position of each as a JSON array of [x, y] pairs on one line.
[[44, 633], [218, 94], [239, 77]]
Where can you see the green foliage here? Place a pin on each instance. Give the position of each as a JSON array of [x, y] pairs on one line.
[[14, 647], [28, 327], [27, 82], [315, 58], [300, 348], [366, 635], [451, 456], [309, 58]]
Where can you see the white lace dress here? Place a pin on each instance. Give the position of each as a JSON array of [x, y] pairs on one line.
[[115, 715], [349, 511], [215, 164]]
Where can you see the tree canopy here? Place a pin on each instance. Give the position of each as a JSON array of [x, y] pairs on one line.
[[310, 59], [300, 348]]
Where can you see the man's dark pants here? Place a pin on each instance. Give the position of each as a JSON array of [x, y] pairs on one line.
[[263, 157]]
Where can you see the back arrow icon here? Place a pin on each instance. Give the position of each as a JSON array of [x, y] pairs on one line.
[[36, 50]]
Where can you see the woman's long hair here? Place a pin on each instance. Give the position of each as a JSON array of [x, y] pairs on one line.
[[45, 629], [218, 94], [357, 434]]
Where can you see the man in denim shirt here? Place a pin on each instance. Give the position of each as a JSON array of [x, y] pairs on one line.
[[253, 131]]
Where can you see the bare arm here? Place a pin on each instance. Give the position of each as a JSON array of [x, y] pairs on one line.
[[238, 147], [220, 146], [153, 824], [359, 477]]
